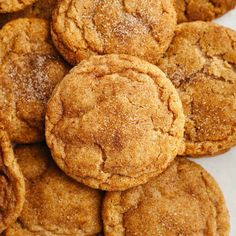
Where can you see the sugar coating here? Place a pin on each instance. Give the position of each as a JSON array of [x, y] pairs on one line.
[[183, 200], [201, 62], [34, 84], [55, 204], [114, 122], [30, 68], [87, 27]]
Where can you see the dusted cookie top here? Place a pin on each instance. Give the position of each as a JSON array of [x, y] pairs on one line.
[[41, 9], [142, 28], [12, 186], [29, 70], [14, 5], [55, 204], [114, 122], [205, 10], [184, 200], [201, 63]]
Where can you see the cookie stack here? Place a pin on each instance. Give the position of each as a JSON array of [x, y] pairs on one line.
[[101, 103]]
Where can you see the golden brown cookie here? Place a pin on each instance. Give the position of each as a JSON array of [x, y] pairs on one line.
[[114, 122], [12, 186], [55, 204], [205, 10], [142, 28], [40, 9], [29, 70], [184, 200], [201, 63], [14, 5]]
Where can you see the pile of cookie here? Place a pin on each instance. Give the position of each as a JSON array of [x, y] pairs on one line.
[[100, 104]]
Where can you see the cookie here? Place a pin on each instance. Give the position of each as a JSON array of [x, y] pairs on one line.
[[143, 28], [201, 64], [30, 68], [40, 9], [14, 5], [114, 122], [55, 204], [205, 10], [184, 200], [12, 186]]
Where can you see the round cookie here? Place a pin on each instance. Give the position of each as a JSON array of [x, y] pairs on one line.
[[14, 5], [184, 200], [55, 204], [205, 10], [12, 186], [40, 9], [143, 28], [114, 122], [201, 62], [29, 70]]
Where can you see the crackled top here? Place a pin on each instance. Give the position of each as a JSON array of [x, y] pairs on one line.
[[12, 186], [205, 10], [201, 62], [14, 5], [184, 200], [55, 204], [114, 121], [143, 28], [29, 70]]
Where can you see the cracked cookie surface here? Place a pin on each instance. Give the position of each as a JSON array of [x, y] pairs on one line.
[[12, 186], [30, 68], [205, 10], [81, 28], [41, 9], [201, 63], [114, 122], [14, 5], [183, 200], [55, 204]]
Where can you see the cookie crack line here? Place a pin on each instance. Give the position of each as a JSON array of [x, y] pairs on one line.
[[104, 156], [122, 213], [120, 175], [82, 30]]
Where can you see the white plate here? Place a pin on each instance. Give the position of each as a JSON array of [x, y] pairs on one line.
[[223, 167]]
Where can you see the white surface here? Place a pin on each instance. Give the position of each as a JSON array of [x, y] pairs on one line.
[[228, 20], [223, 167]]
